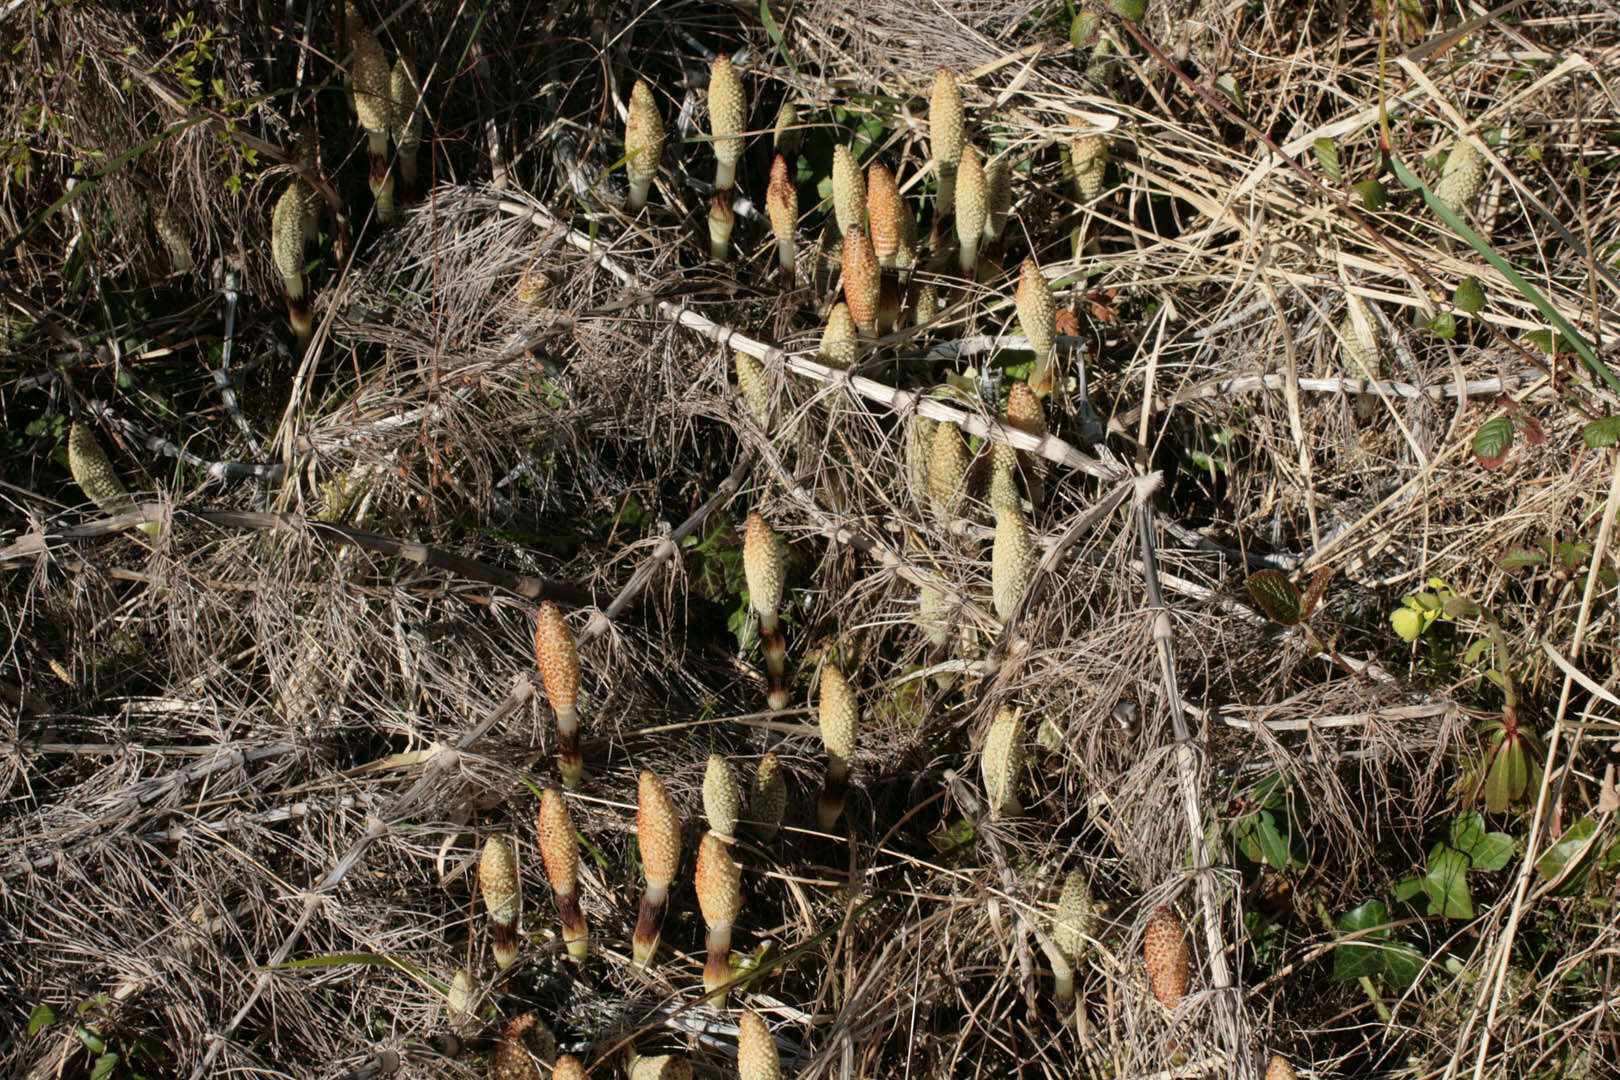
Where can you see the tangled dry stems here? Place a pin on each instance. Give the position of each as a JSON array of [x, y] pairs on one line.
[[203, 729]]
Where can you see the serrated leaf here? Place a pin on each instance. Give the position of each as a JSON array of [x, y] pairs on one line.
[[1372, 194], [1313, 594], [1518, 558], [1276, 595], [1469, 296], [1327, 156], [1601, 432], [1446, 882], [1493, 440]]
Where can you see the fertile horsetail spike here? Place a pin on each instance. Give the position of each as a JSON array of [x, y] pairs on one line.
[[721, 220], [405, 94], [1461, 177], [919, 454], [658, 836], [884, 209], [1012, 561], [559, 849], [757, 1057], [765, 571], [1025, 412], [176, 239], [728, 109], [945, 135], [369, 72], [722, 800], [840, 719], [751, 384], [1037, 314], [1002, 762], [512, 1058], [998, 196], [863, 281], [1074, 923], [1279, 1069], [782, 207], [840, 342], [661, 1067], [718, 880], [459, 1002], [1088, 165], [948, 463], [1164, 948], [1003, 483], [848, 191], [785, 135], [306, 147], [287, 240], [972, 207], [498, 880], [925, 304], [558, 661], [94, 473], [568, 1067], [643, 143], [767, 797]]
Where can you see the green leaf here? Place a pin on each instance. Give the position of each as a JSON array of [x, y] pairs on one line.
[[1574, 851], [1493, 440], [104, 1067], [1276, 595], [1359, 959], [1133, 10], [1272, 845], [1443, 326], [1327, 156], [1313, 594], [1506, 778], [42, 1015], [91, 1040], [1493, 852], [1519, 558], [774, 32], [367, 959], [1083, 30], [1372, 194], [1469, 296], [1467, 830], [1228, 85], [1407, 623], [1601, 432], [1408, 887], [1447, 884]]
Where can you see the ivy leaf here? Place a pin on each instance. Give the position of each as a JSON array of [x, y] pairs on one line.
[[1443, 326], [1447, 884], [1485, 850], [1493, 440], [1376, 953], [1276, 595], [1327, 156], [1601, 432]]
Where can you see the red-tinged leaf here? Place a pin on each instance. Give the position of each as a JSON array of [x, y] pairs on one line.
[[1533, 433], [1313, 594], [1492, 441], [1276, 595]]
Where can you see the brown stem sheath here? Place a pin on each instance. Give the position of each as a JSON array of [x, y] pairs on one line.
[[717, 969], [649, 922], [575, 933], [774, 647], [831, 804]]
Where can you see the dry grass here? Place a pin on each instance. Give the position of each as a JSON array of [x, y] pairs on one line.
[[230, 751]]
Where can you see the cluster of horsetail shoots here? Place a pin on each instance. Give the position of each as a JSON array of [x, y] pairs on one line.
[[765, 570], [757, 1056], [782, 207], [718, 880], [558, 660], [1002, 762], [840, 721], [643, 143], [945, 136], [658, 837], [498, 881], [767, 798], [728, 109], [1037, 315], [559, 850], [722, 800]]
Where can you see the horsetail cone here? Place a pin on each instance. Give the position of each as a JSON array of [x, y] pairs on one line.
[[405, 123], [1358, 339], [373, 104], [848, 191], [1461, 178], [287, 241], [757, 1057], [722, 800], [972, 207], [945, 136], [948, 464], [925, 305], [1003, 484], [751, 384], [660, 1067], [558, 660], [933, 616], [643, 143], [1002, 762], [1025, 412], [1074, 922], [94, 473], [905, 255], [658, 837], [1088, 165], [765, 571], [459, 1001], [176, 240], [568, 1067], [840, 339], [728, 109], [840, 721], [767, 797], [718, 880], [863, 281], [305, 150], [919, 452], [998, 195], [559, 849], [512, 1058], [498, 881], [1012, 561], [1164, 948], [782, 206], [884, 209], [785, 134], [1037, 315], [1279, 1069]]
